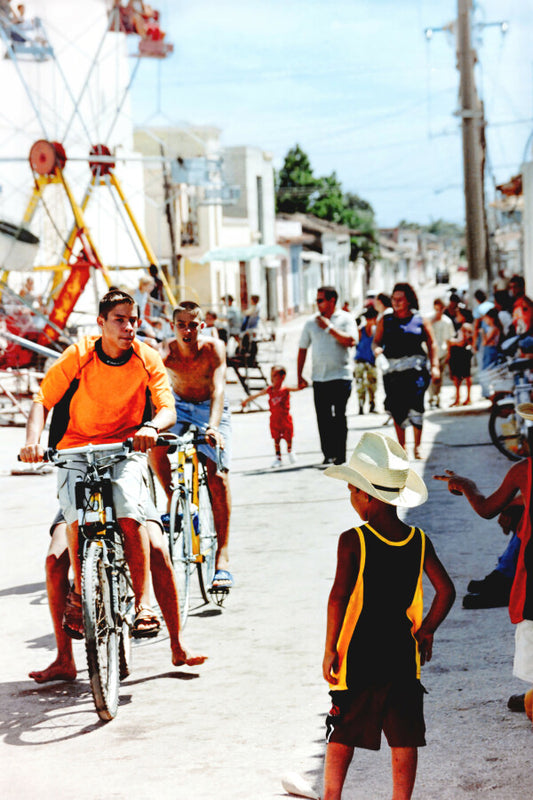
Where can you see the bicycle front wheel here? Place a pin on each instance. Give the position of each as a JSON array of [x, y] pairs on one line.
[[101, 640], [507, 432], [179, 545], [207, 535]]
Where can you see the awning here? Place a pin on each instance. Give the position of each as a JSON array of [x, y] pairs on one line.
[[242, 253], [310, 255]]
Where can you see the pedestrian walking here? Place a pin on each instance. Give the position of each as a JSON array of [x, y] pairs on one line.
[[443, 331], [460, 354], [376, 640], [331, 334], [402, 338], [279, 402], [365, 371]]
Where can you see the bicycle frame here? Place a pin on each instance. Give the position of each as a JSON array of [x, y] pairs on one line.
[[509, 432], [192, 534], [94, 501], [107, 594]]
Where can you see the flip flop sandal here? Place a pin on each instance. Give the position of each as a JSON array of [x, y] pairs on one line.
[[145, 616], [222, 580], [73, 616]]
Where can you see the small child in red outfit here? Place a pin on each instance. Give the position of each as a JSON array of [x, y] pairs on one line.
[[279, 402]]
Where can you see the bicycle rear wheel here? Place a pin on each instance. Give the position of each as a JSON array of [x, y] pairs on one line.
[[101, 640], [179, 545], [506, 429], [207, 534]]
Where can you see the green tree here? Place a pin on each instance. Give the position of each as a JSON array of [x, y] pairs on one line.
[[329, 202], [295, 183], [297, 189]]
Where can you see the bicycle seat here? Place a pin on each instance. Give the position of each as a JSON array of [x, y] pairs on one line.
[[521, 364]]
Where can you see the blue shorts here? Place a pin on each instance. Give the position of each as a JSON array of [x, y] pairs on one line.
[[198, 414]]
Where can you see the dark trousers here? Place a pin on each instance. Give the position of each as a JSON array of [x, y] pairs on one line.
[[331, 398]]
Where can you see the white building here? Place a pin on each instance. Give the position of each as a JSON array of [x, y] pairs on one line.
[[221, 204]]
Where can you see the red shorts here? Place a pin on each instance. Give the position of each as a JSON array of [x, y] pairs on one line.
[[281, 428]]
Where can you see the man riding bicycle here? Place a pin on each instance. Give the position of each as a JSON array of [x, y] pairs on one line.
[[103, 389], [197, 370]]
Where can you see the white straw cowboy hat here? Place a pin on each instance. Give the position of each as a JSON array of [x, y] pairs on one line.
[[525, 410], [379, 466]]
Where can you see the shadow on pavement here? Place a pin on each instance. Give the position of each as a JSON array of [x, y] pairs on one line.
[[182, 676], [47, 713], [24, 588]]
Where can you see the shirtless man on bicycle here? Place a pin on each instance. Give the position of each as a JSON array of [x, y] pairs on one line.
[[197, 369], [99, 390]]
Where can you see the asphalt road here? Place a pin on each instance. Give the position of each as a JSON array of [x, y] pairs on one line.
[[230, 729]]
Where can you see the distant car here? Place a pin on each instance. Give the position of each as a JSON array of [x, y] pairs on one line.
[[442, 276]]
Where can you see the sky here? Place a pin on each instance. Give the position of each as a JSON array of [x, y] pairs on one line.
[[355, 83]]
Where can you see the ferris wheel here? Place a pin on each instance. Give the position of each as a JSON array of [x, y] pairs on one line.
[[70, 195]]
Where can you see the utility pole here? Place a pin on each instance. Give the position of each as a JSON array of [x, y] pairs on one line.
[[473, 129], [175, 262]]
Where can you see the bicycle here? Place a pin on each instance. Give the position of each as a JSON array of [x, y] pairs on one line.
[[508, 431], [192, 537], [108, 602]]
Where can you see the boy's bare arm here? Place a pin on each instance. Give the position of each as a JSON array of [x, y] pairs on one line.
[[343, 585], [32, 450], [488, 507], [254, 396], [218, 386], [442, 601]]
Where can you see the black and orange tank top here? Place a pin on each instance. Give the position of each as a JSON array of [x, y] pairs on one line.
[[377, 642]]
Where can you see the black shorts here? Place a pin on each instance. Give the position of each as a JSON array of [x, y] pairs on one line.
[[357, 718]]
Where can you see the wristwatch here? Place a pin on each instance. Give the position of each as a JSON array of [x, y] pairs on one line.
[[150, 425]]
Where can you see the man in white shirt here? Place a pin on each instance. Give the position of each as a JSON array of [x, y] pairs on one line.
[[331, 334]]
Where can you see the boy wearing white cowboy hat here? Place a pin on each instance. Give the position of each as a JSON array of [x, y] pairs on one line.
[[519, 479], [376, 638]]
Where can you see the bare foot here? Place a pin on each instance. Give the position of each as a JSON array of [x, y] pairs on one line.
[[455, 404], [182, 658], [467, 403], [57, 671], [418, 454]]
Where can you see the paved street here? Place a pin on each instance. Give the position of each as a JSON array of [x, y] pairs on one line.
[[230, 729]]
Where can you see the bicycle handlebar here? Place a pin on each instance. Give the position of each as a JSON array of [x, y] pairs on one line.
[[174, 442], [170, 440]]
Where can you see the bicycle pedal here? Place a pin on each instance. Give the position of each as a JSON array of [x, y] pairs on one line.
[[219, 594]]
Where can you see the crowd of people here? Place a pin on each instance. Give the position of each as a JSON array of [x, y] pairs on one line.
[[117, 384]]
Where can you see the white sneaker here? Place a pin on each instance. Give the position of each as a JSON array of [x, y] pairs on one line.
[[276, 464], [292, 458]]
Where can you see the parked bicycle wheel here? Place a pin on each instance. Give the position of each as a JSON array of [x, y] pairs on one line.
[[101, 640], [507, 431], [207, 534], [179, 543]]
